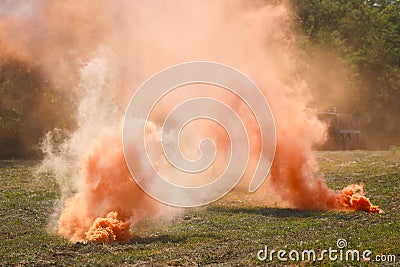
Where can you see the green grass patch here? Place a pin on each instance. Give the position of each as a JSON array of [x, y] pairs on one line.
[[212, 235]]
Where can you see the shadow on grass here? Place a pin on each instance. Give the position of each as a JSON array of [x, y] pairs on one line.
[[269, 212], [289, 213], [17, 163], [280, 212], [157, 239]]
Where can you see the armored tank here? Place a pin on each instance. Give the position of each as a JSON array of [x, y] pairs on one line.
[[343, 130]]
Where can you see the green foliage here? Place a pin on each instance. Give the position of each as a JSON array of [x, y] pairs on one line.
[[29, 107], [367, 35]]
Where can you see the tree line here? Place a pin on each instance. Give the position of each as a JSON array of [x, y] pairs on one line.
[[365, 34], [30, 106]]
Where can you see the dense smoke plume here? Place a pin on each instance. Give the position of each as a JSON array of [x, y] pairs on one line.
[[99, 52]]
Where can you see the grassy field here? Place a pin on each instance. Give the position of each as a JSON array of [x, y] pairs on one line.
[[221, 234]]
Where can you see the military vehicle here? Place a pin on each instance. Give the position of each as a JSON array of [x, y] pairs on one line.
[[343, 130]]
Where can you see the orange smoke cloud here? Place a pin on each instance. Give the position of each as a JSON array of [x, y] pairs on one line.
[[109, 229], [292, 179], [115, 46], [353, 199], [108, 199], [292, 173]]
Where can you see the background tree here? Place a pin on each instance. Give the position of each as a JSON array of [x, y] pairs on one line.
[[29, 107], [366, 34]]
